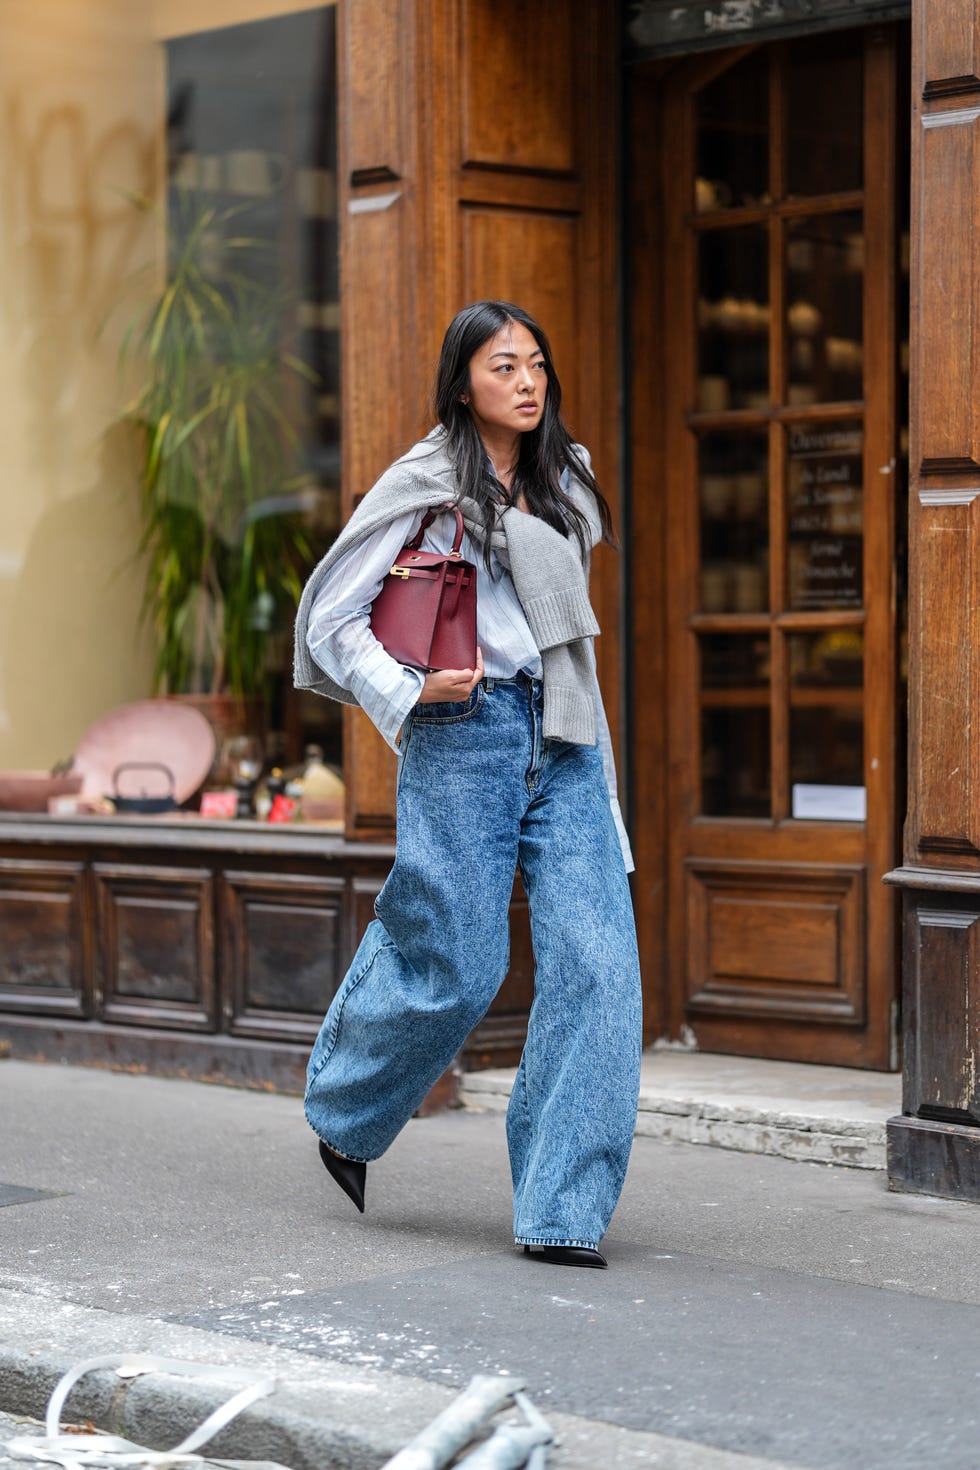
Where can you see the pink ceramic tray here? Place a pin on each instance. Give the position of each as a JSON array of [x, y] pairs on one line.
[[152, 730]]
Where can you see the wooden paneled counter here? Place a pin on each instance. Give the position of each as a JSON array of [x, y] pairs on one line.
[[198, 948]]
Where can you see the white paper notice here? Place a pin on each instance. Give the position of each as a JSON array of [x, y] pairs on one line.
[[830, 803]]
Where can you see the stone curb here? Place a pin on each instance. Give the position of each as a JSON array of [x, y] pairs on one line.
[[857, 1143], [322, 1416]]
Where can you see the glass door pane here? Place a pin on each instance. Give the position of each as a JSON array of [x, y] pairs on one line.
[[826, 710], [733, 319], [824, 103], [734, 522], [733, 138], [735, 744], [825, 307]]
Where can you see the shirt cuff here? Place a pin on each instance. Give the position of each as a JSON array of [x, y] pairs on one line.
[[389, 711]]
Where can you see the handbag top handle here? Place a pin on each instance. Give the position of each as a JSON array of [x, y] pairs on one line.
[[427, 520]]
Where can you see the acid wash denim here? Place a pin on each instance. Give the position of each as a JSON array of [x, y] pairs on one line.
[[480, 792]]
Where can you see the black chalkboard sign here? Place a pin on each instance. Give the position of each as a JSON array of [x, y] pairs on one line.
[[825, 517]]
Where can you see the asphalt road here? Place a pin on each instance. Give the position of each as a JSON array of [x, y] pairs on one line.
[[788, 1311]]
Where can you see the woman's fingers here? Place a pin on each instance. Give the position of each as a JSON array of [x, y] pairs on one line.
[[449, 684], [478, 671]]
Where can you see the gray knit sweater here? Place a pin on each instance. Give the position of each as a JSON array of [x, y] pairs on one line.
[[549, 577]]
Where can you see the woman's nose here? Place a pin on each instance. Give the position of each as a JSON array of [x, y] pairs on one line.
[[525, 380]]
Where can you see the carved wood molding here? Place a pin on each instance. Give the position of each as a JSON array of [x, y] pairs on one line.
[[946, 918], [379, 174], [490, 166], [955, 846], [951, 87], [373, 203], [955, 117], [934, 880], [953, 495]]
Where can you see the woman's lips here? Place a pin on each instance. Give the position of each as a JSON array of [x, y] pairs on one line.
[[527, 408]]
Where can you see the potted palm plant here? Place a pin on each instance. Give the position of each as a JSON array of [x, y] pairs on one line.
[[222, 514]]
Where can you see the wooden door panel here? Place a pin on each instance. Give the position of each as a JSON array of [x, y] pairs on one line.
[[44, 919], [944, 350], [947, 46], [948, 785], [156, 946], [373, 118], [281, 952], [530, 258], [779, 941], [943, 944], [511, 120]]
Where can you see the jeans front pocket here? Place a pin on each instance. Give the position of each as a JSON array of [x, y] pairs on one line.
[[450, 712]]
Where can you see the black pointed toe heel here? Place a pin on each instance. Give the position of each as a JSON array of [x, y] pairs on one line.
[[348, 1173], [572, 1255]]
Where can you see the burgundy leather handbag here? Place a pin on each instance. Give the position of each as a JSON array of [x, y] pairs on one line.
[[425, 613]]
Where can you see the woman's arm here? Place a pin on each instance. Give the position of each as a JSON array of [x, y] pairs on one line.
[[339, 635]]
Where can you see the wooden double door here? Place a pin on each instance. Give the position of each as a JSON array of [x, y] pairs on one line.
[[769, 312]]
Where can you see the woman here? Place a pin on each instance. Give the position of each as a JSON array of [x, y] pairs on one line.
[[505, 765]]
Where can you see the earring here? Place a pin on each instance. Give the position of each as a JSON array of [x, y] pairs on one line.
[[464, 398]]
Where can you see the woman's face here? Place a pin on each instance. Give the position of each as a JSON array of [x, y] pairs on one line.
[[508, 382]]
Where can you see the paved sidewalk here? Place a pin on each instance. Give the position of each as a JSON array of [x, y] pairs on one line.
[[757, 1313], [828, 1115]]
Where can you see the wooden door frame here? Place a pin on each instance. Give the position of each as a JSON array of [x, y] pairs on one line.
[[645, 544], [665, 685], [934, 1146]]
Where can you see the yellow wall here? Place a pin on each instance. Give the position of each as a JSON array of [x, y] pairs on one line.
[[80, 103]]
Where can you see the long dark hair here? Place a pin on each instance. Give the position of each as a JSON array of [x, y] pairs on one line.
[[544, 452]]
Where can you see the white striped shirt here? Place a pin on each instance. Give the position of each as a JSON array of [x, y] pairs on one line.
[[340, 640]]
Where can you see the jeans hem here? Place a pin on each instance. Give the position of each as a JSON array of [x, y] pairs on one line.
[[351, 1158], [554, 1240]]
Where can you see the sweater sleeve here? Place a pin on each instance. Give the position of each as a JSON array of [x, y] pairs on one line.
[[339, 634]]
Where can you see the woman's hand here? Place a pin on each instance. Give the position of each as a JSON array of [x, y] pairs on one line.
[[443, 686]]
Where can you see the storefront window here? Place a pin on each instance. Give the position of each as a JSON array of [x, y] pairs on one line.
[[169, 353]]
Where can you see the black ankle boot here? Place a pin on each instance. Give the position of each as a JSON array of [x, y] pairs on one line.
[[572, 1255], [349, 1174]]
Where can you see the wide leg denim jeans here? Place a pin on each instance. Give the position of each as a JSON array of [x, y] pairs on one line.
[[480, 793]]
